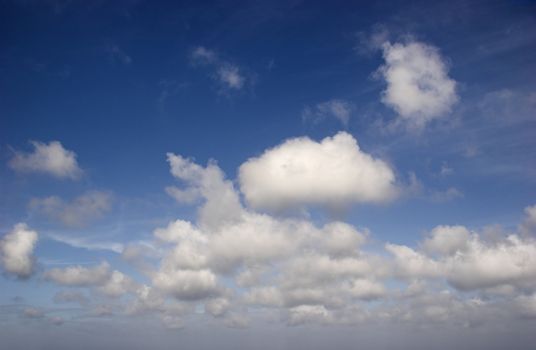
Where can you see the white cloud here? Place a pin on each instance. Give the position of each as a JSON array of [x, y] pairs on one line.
[[528, 227], [187, 284], [49, 158], [418, 86], [228, 75], [79, 276], [447, 240], [16, 249], [335, 108], [79, 212], [333, 172], [102, 278], [203, 55], [217, 307], [485, 265], [221, 201]]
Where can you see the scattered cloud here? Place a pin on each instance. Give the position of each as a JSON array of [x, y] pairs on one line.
[[333, 172], [232, 258], [16, 251], [418, 86], [79, 212], [335, 108], [51, 159]]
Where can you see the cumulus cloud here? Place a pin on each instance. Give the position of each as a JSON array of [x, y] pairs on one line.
[[468, 261], [332, 172], [230, 76], [447, 240], [79, 212], [79, 276], [335, 108], [16, 251], [106, 281], [221, 202], [418, 86], [51, 159], [231, 260]]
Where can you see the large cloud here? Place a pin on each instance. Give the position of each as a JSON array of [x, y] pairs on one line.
[[418, 86], [333, 172], [16, 249], [49, 158]]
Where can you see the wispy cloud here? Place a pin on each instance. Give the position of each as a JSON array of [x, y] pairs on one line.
[[229, 75], [334, 108], [79, 212]]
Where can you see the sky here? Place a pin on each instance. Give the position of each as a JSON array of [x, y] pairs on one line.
[[267, 174]]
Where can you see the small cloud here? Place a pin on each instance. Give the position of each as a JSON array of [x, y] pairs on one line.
[[51, 159], [418, 86], [202, 55], [335, 108], [16, 251], [445, 196], [228, 75], [79, 212]]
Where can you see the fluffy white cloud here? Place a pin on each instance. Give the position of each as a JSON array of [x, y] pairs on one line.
[[336, 108], [418, 86], [469, 262], [79, 212], [49, 158], [490, 264], [333, 172], [187, 284], [221, 200], [16, 249]]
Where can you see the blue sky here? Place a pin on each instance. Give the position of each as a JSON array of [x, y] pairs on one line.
[[256, 167]]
